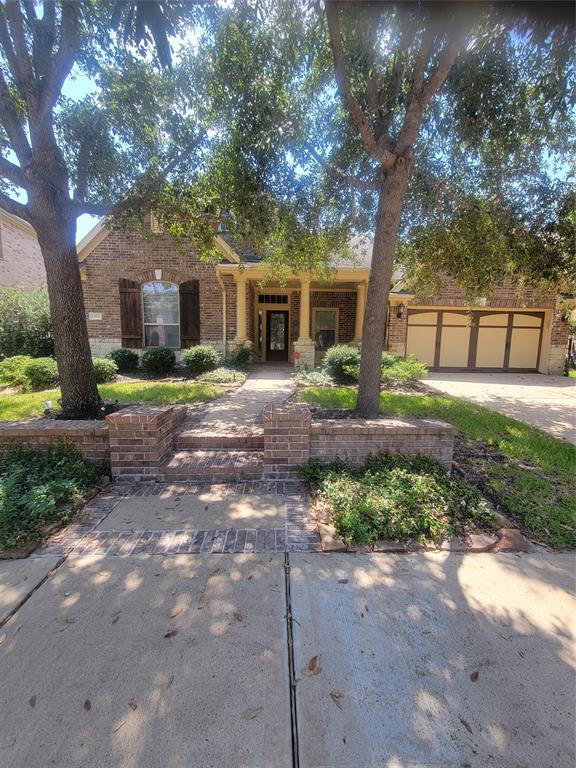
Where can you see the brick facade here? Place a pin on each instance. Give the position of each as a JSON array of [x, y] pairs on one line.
[[21, 263], [131, 255], [90, 438], [509, 294]]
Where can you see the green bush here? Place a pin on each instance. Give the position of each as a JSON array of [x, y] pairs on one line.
[[401, 370], [222, 376], [41, 373], [37, 488], [158, 361], [25, 323], [105, 370], [318, 377], [12, 371], [126, 359], [342, 363], [398, 499], [201, 359], [241, 358]]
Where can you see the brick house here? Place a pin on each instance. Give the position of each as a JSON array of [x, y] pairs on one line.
[[153, 291], [21, 263]]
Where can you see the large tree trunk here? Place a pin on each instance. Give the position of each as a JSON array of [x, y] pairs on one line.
[[56, 236], [390, 203]]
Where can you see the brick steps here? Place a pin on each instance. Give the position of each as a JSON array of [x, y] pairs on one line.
[[191, 439], [212, 466]]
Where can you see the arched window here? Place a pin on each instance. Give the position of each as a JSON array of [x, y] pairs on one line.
[[161, 309]]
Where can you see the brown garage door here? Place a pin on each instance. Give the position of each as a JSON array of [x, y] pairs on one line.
[[478, 340]]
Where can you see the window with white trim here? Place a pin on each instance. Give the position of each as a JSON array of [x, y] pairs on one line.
[[325, 328], [161, 310]]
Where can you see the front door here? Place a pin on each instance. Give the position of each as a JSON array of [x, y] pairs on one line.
[[276, 335]]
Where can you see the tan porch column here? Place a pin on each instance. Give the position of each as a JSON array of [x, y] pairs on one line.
[[304, 310], [360, 308], [241, 327]]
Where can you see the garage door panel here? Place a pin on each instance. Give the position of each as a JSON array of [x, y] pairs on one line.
[[422, 318], [524, 345], [454, 347], [491, 346], [421, 342], [500, 319], [454, 318], [523, 319]]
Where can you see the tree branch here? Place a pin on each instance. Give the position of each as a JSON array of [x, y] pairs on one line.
[[19, 58], [12, 125], [139, 199], [13, 173], [13, 207], [355, 111], [84, 157], [350, 179], [63, 61]]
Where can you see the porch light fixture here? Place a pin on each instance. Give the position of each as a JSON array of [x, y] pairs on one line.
[[400, 309]]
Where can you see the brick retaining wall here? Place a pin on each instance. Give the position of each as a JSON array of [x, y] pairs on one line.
[[90, 438], [291, 437]]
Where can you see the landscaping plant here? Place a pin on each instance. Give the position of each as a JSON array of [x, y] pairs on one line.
[[104, 370], [25, 323], [201, 358], [397, 498], [241, 358], [126, 360], [222, 376], [342, 363], [37, 488], [158, 361]]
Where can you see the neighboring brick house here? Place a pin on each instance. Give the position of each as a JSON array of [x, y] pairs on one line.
[[21, 263], [153, 291]]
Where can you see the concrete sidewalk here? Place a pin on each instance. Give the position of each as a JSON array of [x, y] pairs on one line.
[[435, 660], [149, 661], [546, 402]]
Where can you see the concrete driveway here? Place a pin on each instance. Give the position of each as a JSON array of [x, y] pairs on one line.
[[399, 661], [547, 402]]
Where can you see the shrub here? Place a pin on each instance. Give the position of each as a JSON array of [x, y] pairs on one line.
[[222, 376], [342, 363], [242, 357], [397, 498], [401, 370], [104, 369], [318, 377], [25, 322], [12, 371], [38, 487], [158, 361], [41, 373], [126, 359], [201, 358]]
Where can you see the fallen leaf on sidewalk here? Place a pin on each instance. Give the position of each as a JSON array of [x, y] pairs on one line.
[[201, 600], [342, 581], [313, 667], [237, 615], [250, 714], [87, 705], [336, 697], [176, 611], [115, 730], [32, 701], [133, 706], [171, 632], [474, 676], [466, 725]]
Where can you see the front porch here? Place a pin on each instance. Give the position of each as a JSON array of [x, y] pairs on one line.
[[298, 321]]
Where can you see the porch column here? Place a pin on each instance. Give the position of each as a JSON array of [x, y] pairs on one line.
[[241, 327], [304, 310], [360, 308], [304, 347]]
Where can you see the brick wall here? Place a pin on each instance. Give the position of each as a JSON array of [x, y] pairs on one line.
[[559, 334], [90, 438], [397, 330], [509, 294], [129, 254], [21, 263], [291, 437]]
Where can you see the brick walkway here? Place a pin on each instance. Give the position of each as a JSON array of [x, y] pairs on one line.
[[82, 537]]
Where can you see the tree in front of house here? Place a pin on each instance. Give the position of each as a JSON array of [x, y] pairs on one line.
[[438, 102], [102, 154]]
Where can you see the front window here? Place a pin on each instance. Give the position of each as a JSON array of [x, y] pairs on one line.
[[161, 303], [325, 325]]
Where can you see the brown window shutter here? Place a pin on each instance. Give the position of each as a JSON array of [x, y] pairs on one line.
[[189, 314], [130, 314]]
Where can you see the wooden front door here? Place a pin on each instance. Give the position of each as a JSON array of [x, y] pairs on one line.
[[276, 335]]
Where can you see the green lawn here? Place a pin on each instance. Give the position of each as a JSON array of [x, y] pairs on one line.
[[537, 485], [14, 407], [572, 374]]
